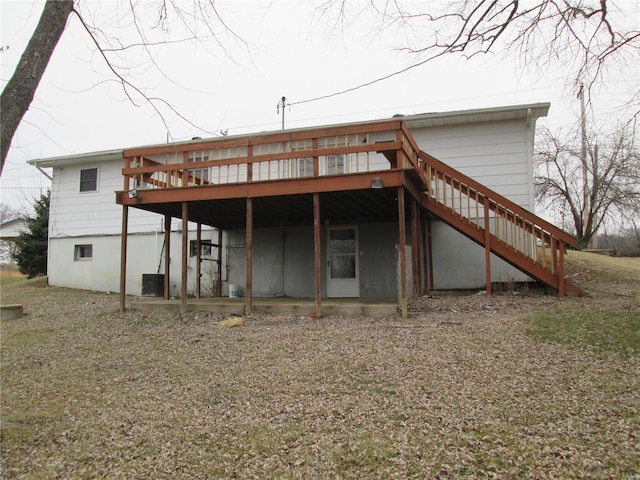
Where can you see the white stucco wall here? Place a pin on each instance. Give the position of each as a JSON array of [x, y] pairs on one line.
[[145, 256]]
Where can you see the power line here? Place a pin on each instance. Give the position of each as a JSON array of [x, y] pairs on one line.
[[366, 84]]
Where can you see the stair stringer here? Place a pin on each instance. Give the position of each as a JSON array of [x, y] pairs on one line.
[[509, 254], [458, 182]]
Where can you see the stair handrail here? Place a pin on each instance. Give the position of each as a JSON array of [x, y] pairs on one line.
[[496, 201]]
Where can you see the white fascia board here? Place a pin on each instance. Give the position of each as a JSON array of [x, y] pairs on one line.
[[529, 111], [78, 159], [462, 117]]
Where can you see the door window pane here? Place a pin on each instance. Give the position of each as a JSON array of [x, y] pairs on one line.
[[343, 266], [343, 241]]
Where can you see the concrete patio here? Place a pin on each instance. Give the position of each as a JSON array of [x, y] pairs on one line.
[[279, 305]]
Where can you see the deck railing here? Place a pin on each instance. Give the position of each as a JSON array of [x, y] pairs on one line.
[[486, 216], [510, 226], [276, 156]]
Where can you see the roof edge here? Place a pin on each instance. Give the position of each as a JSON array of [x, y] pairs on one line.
[[78, 159], [421, 120], [478, 115]]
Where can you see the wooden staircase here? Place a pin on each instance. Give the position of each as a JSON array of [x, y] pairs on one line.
[[524, 240]]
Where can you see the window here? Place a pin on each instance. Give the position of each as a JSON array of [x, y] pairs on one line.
[[89, 180], [205, 248], [83, 252]]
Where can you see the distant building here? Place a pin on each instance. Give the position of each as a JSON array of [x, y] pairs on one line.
[[9, 233]]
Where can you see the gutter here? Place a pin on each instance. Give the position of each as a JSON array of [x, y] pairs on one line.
[[77, 159]]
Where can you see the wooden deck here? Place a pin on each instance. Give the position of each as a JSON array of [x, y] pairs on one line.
[[368, 172]]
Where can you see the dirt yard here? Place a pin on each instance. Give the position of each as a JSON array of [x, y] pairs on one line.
[[465, 388]]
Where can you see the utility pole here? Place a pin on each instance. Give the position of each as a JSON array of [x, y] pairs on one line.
[[583, 160], [594, 238], [281, 104]]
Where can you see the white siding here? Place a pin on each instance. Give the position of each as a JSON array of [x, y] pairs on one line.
[[12, 228], [74, 213], [495, 154]]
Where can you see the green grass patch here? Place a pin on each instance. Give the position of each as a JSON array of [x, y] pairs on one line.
[[604, 330], [4, 281]]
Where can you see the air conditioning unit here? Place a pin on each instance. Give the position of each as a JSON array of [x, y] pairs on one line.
[[152, 284]]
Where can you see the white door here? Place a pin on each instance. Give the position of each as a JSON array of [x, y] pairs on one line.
[[342, 274]]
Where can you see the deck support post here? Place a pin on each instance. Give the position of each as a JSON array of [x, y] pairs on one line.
[[562, 248], [402, 251], [249, 242], [428, 274], [198, 258], [415, 248], [219, 285], [487, 246], [167, 255], [185, 255], [317, 253], [123, 257]]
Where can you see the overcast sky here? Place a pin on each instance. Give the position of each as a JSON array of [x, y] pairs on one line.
[[80, 108]]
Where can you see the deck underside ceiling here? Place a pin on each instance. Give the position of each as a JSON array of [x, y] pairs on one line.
[[354, 206]]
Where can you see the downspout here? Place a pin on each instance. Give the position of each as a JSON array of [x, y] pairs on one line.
[[530, 136], [49, 228], [531, 133]]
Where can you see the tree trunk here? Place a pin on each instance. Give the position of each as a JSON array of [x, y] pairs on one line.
[[19, 92]]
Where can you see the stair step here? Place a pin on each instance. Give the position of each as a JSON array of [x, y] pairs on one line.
[[454, 186]]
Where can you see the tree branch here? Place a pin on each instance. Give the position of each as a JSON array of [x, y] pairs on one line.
[[20, 90]]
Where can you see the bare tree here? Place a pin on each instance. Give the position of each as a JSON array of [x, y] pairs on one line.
[[146, 28], [584, 36], [8, 213], [601, 186], [18, 94]]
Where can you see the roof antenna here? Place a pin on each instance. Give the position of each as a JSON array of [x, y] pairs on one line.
[[281, 104]]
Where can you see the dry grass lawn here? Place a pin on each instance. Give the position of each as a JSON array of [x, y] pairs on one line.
[[508, 386], [8, 276]]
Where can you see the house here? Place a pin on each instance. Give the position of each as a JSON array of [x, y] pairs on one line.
[[9, 232], [390, 208], [85, 225]]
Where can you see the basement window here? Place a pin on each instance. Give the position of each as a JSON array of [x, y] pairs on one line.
[[205, 248], [89, 180], [83, 252]]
